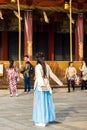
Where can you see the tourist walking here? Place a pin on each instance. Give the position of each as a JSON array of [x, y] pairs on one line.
[[43, 107]]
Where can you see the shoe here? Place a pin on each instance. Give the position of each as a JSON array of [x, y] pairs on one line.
[[17, 94], [68, 91], [25, 91], [40, 124], [11, 95], [28, 92]]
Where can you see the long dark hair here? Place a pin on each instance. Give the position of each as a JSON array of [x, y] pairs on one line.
[[40, 60], [86, 62], [70, 63], [11, 64]]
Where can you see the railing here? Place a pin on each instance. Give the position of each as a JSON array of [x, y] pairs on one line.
[[58, 67]]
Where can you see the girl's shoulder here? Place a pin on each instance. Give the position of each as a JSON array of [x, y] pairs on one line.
[[47, 65], [38, 66]]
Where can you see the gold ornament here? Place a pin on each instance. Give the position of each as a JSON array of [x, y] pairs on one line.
[[66, 6], [13, 1]]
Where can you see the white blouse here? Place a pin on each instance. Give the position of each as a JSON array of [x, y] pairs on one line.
[[84, 74], [39, 76], [70, 72]]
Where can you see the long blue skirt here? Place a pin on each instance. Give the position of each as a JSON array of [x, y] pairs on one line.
[[43, 109]]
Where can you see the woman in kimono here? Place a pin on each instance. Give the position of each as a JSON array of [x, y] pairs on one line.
[[43, 108], [12, 75]]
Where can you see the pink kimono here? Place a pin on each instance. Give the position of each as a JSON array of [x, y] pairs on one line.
[[12, 79]]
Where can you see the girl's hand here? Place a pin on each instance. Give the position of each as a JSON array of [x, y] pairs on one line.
[[65, 77]]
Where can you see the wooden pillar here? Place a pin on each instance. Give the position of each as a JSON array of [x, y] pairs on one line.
[[79, 33], [4, 46], [51, 43], [28, 33]]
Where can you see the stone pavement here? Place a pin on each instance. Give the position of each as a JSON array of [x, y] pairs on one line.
[[71, 110]]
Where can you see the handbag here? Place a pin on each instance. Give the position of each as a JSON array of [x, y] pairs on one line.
[[47, 85], [44, 88], [77, 80]]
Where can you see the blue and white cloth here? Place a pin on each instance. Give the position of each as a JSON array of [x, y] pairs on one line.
[[43, 109]]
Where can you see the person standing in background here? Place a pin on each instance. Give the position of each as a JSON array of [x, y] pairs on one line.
[[12, 75], [83, 66], [26, 71], [70, 74], [83, 70]]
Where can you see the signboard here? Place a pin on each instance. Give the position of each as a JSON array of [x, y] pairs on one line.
[[1, 69]]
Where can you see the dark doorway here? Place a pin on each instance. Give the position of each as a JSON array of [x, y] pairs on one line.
[[13, 45]]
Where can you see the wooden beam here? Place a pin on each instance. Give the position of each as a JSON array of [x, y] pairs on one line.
[[24, 2], [4, 1], [48, 3]]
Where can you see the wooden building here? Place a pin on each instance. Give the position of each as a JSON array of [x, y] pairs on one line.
[[45, 26]]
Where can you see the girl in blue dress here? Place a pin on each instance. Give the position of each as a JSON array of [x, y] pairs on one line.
[[43, 107]]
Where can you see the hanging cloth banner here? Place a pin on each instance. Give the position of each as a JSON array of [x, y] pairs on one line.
[[80, 35], [28, 33]]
